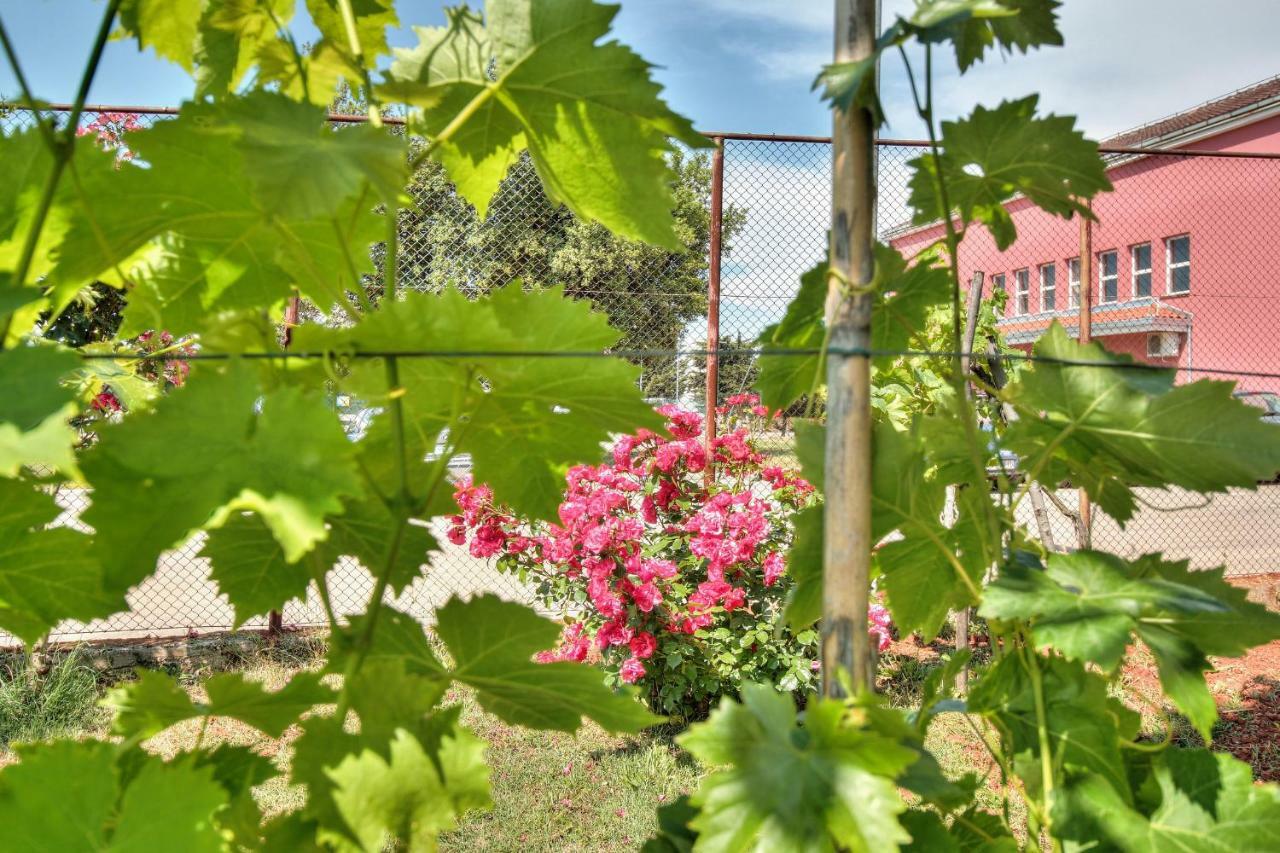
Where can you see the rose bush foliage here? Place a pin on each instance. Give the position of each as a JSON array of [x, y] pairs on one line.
[[669, 565]]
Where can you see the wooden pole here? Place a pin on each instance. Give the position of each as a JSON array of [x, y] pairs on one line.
[[847, 545], [966, 362], [275, 622], [1085, 525], [713, 299]]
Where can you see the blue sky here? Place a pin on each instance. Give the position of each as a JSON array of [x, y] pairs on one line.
[[747, 64]]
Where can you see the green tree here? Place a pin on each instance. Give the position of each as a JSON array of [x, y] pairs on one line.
[[649, 293]]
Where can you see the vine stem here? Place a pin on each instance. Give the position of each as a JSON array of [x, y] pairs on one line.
[[357, 51], [61, 148], [1032, 663]]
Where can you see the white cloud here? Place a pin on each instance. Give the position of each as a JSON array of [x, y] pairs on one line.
[[808, 15], [1124, 63]]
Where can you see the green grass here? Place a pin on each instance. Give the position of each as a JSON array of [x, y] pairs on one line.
[[551, 791], [37, 705], [589, 791]]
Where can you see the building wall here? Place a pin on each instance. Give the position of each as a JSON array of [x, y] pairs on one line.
[[1230, 207]]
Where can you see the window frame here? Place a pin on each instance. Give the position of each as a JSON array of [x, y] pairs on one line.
[[1103, 277], [1170, 266], [1134, 271], [1074, 290], [1021, 292], [1052, 289]]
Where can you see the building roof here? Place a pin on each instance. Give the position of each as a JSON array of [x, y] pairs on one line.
[[1220, 111]]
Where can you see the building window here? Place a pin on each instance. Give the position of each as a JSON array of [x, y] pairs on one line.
[[1022, 293], [1073, 282], [1178, 258], [1048, 287], [997, 283], [1141, 254], [1109, 276]]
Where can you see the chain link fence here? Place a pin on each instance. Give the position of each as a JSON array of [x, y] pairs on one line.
[[1181, 267]]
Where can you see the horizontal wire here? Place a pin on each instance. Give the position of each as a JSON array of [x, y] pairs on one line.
[[854, 352]]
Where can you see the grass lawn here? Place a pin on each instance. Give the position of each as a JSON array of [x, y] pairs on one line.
[[589, 791]]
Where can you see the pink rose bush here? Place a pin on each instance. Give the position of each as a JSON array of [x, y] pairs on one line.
[[668, 564]]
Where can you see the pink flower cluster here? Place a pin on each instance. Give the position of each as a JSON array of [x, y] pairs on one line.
[[880, 626], [650, 546], [746, 402], [110, 128], [610, 509]]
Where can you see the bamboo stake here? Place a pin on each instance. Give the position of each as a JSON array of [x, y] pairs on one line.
[[966, 362], [847, 545], [1084, 529]]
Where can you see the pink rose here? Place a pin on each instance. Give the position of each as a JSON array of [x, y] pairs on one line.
[[643, 645], [632, 671]]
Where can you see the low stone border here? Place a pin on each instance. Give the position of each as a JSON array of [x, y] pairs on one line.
[[213, 651]]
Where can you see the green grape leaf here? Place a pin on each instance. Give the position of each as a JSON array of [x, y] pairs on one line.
[[597, 135], [1112, 426], [34, 408], [224, 246], [902, 299], [170, 806], [237, 769], [1206, 802], [673, 834], [148, 705], [850, 85], [1085, 725], [46, 575], [904, 296], [302, 167], [93, 374], [557, 409], [397, 638], [216, 446], [231, 695], [972, 832], [155, 701], [492, 643], [250, 568], [372, 18], [68, 795], [168, 27], [973, 26], [931, 569], [364, 531], [804, 564], [994, 154], [785, 378], [1088, 604], [824, 786], [324, 744], [419, 792], [59, 796], [28, 165], [233, 35]]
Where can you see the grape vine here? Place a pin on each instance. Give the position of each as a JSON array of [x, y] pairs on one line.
[[249, 198]]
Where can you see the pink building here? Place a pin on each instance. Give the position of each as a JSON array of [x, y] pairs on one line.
[[1186, 249]]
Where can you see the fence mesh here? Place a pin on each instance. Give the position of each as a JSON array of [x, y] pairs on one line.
[[1181, 271]]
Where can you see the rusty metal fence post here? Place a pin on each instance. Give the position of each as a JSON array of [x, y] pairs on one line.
[[712, 393]]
